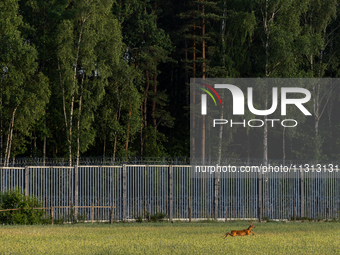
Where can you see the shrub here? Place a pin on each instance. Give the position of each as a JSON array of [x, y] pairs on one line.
[[15, 198], [159, 216], [139, 218]]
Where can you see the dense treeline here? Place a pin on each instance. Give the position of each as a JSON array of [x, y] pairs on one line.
[[111, 78]]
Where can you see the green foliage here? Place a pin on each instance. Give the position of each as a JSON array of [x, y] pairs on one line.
[[24, 90], [267, 219], [139, 218], [159, 216], [15, 198], [67, 217], [112, 78]]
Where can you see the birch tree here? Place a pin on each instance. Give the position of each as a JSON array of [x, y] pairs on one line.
[[23, 90], [83, 67]]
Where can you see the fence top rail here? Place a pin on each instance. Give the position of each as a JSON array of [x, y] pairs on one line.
[[30, 208], [56, 207], [146, 165], [11, 168], [90, 166], [67, 167], [82, 206], [99, 166], [294, 169]]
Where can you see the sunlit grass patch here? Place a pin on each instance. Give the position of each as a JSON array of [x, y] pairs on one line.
[[167, 238]]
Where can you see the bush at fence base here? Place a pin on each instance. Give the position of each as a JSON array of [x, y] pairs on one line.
[[159, 216], [15, 198]]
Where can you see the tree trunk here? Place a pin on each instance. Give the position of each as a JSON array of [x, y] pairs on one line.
[[193, 144], [203, 76], [44, 145], [114, 148], [79, 114], [141, 131], [284, 146], [104, 148], [1, 135], [222, 108], [115, 142], [330, 105], [266, 29], [128, 132], [186, 71], [154, 121], [35, 144], [73, 96], [9, 139], [62, 85], [265, 137], [144, 137]]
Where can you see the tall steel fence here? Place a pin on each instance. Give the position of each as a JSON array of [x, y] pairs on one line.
[[139, 190]]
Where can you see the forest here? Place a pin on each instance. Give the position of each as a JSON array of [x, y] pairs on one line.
[[112, 78]]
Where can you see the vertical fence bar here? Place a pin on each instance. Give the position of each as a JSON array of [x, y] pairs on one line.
[[52, 214], [302, 195], [225, 213], [75, 178], [170, 191], [149, 212], [216, 189], [26, 180], [259, 200], [92, 213], [124, 194]]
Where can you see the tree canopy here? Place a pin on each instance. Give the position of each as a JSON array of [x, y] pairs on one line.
[[111, 78]]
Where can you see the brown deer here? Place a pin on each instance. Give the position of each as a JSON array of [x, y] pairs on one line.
[[240, 232]]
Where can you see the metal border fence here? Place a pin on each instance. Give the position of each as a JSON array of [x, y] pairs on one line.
[[139, 190]]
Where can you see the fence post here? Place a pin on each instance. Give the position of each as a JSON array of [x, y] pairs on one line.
[[72, 212], [259, 194], [170, 192], [27, 180], [235, 213], [302, 194], [143, 207], [76, 183], [46, 205], [275, 208], [124, 196], [111, 215], [216, 185], [52, 214], [98, 209], [190, 210], [295, 208], [92, 213], [317, 207], [226, 217], [149, 212]]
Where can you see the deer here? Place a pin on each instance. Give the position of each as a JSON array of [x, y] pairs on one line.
[[240, 232]]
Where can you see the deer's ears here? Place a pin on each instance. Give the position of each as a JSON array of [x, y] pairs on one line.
[[251, 222]]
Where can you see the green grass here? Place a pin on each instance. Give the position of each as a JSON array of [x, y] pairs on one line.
[[176, 238]]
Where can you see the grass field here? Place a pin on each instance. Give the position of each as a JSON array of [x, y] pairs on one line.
[[168, 238]]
